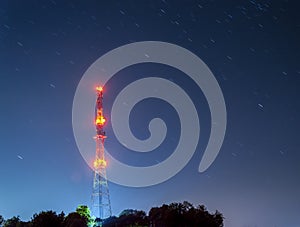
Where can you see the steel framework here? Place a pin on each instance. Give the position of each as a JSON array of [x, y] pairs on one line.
[[101, 207]]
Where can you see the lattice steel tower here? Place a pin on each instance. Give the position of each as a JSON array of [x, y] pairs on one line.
[[101, 207]]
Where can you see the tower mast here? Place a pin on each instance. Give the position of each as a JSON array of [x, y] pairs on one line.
[[101, 207]]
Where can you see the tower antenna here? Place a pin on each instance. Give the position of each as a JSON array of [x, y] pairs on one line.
[[101, 207]]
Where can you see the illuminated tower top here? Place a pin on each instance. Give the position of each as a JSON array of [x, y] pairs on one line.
[[99, 162], [99, 118]]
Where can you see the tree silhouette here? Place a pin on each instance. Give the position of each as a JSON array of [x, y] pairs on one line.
[[85, 212], [75, 220], [132, 217], [111, 221], [183, 215], [1, 220], [12, 222], [48, 219], [128, 217], [172, 215]]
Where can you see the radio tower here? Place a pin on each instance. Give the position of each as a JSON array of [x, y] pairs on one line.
[[101, 207]]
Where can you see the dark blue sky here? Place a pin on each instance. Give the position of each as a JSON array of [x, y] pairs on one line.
[[252, 47]]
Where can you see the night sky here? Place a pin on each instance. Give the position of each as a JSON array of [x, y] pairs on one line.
[[252, 48]]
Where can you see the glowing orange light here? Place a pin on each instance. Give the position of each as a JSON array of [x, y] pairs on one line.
[[99, 163], [99, 88], [100, 120]]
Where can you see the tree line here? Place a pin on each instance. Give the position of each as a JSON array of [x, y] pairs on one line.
[[172, 215]]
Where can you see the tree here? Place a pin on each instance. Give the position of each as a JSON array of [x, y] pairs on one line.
[[128, 218], [48, 219], [85, 212], [132, 217], [183, 215], [12, 222], [74, 219], [1, 220], [218, 218], [172, 215], [110, 222]]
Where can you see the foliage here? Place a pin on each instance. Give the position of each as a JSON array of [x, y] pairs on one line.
[[128, 217], [183, 215], [14, 222], [85, 212], [48, 219], [75, 220], [1, 220], [172, 215]]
